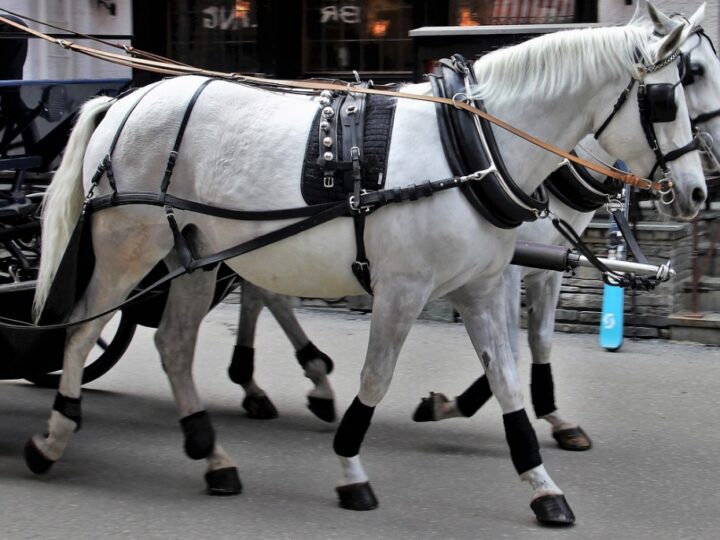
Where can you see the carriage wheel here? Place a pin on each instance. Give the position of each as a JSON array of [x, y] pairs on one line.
[[109, 349]]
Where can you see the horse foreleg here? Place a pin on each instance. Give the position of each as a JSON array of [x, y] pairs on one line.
[[242, 366], [316, 364], [394, 312], [483, 313], [188, 302], [542, 291], [437, 406]]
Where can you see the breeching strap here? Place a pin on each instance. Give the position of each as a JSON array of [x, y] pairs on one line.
[[168, 68]]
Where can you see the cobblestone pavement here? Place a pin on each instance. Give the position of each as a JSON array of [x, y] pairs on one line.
[[651, 410]]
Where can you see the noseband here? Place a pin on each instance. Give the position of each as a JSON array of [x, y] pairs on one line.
[[656, 103]]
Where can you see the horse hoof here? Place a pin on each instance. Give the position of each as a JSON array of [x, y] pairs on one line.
[[428, 411], [357, 497], [223, 481], [323, 408], [553, 510], [35, 459], [574, 439], [259, 407]]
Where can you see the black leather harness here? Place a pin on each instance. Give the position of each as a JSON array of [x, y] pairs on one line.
[[469, 145]]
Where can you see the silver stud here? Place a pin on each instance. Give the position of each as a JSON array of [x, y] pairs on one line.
[[328, 112], [325, 125], [326, 94], [328, 142], [324, 101], [328, 156]]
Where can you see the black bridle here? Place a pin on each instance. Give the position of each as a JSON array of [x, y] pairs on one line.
[[690, 70], [656, 103]]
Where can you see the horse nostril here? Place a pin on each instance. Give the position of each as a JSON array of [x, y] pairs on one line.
[[698, 195]]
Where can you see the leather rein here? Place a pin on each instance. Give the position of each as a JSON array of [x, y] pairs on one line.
[[171, 68]]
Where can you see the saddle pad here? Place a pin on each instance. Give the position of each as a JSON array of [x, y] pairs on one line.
[[378, 122]]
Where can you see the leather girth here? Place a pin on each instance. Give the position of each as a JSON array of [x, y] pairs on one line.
[[465, 153]]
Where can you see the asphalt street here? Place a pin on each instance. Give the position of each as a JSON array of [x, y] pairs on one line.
[[651, 410]]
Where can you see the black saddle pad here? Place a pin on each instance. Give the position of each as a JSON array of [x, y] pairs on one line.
[[378, 122]]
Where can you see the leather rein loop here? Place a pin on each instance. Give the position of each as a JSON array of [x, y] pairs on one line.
[[168, 68]]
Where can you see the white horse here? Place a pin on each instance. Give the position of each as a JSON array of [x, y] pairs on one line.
[[542, 287], [244, 148]]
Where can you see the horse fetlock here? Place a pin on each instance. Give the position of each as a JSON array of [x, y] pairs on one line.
[[353, 471], [60, 430], [316, 371], [541, 482], [199, 435], [310, 352]]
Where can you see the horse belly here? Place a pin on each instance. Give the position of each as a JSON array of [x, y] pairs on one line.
[[315, 263]]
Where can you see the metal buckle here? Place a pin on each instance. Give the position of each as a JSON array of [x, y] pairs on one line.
[[329, 181], [355, 204]]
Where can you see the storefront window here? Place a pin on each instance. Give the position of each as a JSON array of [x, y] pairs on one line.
[[482, 12], [215, 34], [363, 35]]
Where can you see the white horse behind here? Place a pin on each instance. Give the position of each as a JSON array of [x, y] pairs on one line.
[[244, 149]]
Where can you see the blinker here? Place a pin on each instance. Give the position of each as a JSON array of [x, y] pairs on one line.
[[661, 103]]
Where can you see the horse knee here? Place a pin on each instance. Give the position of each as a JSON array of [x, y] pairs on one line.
[[199, 435]]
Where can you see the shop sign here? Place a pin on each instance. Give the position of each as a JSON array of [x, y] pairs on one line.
[[345, 14]]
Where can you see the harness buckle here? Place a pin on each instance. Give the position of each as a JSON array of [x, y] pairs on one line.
[[355, 204], [329, 181]]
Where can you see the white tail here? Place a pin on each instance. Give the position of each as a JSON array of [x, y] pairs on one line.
[[64, 199]]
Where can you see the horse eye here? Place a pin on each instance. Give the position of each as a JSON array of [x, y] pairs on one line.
[[697, 69]]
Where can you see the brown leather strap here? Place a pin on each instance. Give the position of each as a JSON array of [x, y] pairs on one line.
[[170, 68]]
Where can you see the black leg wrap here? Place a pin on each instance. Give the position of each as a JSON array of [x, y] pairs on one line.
[[542, 389], [470, 401], [523, 443], [351, 431], [357, 497], [223, 481], [35, 459], [311, 352], [69, 408], [242, 366], [199, 435]]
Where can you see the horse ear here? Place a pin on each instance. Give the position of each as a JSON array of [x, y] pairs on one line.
[[697, 17], [662, 23], [672, 41]]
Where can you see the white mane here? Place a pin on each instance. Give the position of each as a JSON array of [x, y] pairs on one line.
[[561, 62]]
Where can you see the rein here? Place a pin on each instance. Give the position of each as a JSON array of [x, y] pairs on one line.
[[168, 68]]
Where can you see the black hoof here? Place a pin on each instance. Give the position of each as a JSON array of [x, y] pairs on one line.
[[223, 482], [574, 439], [259, 407], [553, 510], [35, 459], [426, 411], [323, 408], [357, 497]]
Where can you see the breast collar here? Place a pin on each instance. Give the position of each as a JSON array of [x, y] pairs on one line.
[[469, 145]]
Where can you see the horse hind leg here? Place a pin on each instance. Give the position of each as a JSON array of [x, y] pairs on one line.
[[242, 366], [542, 293], [119, 266], [188, 302], [316, 364]]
